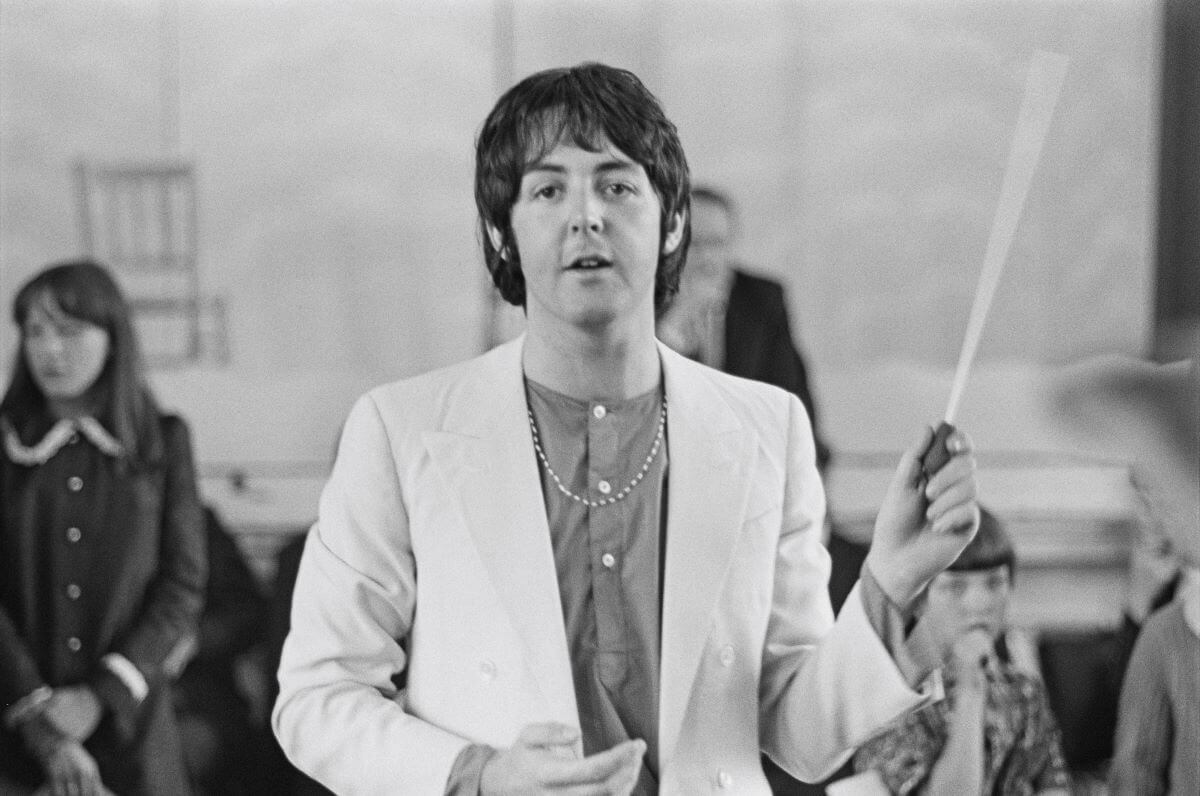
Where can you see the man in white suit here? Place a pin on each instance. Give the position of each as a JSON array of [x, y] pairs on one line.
[[596, 563]]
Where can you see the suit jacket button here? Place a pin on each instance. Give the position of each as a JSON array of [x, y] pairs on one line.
[[724, 778], [487, 670]]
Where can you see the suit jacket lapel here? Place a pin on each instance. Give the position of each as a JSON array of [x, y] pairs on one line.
[[711, 455], [485, 454]]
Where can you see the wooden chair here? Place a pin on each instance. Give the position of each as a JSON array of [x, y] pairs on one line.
[[139, 218]]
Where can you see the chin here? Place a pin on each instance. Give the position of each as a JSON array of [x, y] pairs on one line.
[[594, 316]]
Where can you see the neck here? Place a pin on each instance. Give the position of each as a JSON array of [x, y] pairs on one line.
[[591, 366], [69, 407]]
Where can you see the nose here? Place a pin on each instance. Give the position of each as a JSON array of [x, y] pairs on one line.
[[51, 343], [587, 213]]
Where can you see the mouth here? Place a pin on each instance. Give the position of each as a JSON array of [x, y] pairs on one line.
[[589, 263]]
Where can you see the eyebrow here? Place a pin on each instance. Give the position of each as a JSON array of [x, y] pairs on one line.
[[603, 167]]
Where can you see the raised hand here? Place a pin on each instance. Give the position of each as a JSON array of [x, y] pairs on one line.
[[543, 760], [923, 526]]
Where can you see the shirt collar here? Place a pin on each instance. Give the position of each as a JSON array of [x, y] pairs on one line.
[[58, 436]]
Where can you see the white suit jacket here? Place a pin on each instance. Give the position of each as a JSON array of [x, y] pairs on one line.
[[433, 527]]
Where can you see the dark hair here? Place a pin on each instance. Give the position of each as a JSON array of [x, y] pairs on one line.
[[991, 547], [584, 105], [85, 290]]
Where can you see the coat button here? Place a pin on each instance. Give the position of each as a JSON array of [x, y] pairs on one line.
[[487, 671], [608, 560], [727, 655], [74, 644], [604, 487], [73, 591], [724, 778], [74, 483], [74, 535], [598, 411]]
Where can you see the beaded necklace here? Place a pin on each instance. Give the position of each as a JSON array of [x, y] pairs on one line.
[[624, 493]]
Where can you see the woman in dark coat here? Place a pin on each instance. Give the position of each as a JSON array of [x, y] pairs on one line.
[[102, 549]]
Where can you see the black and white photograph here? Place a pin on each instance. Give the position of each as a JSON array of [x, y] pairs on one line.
[[498, 397]]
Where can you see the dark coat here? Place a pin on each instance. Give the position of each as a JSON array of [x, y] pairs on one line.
[[116, 565], [758, 343]]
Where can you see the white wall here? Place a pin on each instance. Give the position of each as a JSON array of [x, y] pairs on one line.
[[333, 141]]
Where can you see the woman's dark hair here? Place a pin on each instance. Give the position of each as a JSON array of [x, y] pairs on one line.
[[991, 547], [85, 290], [583, 105]]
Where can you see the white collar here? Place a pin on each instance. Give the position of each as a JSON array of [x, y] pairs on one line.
[[59, 434]]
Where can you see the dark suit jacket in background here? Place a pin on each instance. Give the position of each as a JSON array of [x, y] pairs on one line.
[[758, 343]]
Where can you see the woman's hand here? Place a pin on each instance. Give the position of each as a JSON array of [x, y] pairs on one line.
[[74, 711], [71, 771]]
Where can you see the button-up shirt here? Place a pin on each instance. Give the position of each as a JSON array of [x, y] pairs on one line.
[[608, 558]]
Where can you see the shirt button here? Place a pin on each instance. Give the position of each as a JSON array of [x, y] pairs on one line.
[[73, 591], [598, 412], [74, 483], [608, 559], [724, 778], [74, 535], [727, 655], [74, 644], [604, 487], [487, 671]]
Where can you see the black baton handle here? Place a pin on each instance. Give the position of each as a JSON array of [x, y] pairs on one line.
[[937, 454]]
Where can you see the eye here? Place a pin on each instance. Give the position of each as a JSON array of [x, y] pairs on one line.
[[619, 189], [547, 191], [34, 329], [71, 328]]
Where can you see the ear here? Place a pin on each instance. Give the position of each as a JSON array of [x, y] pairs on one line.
[[497, 239], [674, 234]]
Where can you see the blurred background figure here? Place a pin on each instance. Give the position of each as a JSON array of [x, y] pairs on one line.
[[729, 318], [220, 696], [1158, 729], [1149, 415], [102, 549], [994, 732]]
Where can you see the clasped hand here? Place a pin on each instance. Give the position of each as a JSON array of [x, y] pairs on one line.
[[543, 760], [74, 711], [72, 771]]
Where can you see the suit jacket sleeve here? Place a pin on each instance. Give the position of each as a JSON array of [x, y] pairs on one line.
[[339, 717], [817, 706]]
